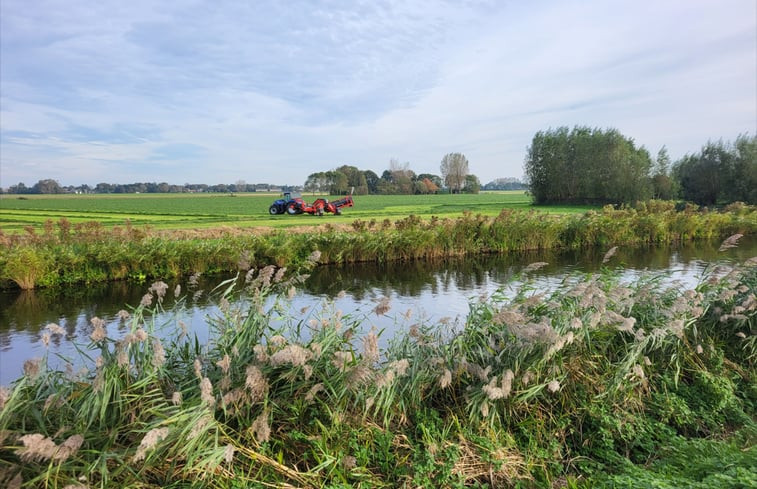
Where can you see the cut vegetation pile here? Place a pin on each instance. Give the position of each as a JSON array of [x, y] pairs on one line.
[[88, 252], [597, 383]]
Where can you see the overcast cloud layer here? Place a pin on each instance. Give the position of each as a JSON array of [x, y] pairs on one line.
[[266, 91]]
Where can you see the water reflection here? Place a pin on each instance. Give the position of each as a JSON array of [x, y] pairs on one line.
[[433, 290]]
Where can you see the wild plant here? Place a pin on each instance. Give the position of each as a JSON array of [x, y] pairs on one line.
[[536, 384]]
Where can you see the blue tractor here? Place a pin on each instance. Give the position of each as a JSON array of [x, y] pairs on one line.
[[290, 205]]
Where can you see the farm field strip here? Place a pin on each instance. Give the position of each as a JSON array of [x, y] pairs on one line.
[[177, 211]]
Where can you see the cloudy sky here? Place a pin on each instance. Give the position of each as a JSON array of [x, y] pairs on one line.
[[271, 91]]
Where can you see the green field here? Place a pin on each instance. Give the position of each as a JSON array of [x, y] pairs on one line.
[[179, 211]]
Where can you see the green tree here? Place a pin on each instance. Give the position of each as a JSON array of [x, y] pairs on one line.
[[585, 165], [337, 182], [47, 186], [371, 180], [401, 176], [454, 168], [355, 179], [20, 188], [662, 182], [316, 182], [472, 184], [721, 173]]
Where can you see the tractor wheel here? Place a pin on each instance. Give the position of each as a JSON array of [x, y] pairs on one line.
[[273, 210], [338, 212], [292, 209], [320, 212]]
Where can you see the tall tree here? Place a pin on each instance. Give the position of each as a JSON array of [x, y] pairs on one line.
[[721, 173], [586, 165], [662, 182], [454, 169], [355, 179], [402, 176], [472, 184], [371, 180]]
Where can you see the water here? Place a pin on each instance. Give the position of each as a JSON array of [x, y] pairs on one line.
[[429, 291]]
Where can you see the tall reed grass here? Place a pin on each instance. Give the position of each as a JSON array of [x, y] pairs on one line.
[[65, 254], [538, 386]]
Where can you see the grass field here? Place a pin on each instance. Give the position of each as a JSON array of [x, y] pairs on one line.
[[179, 211]]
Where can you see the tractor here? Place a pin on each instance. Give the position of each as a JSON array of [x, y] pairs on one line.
[[288, 204], [295, 205]]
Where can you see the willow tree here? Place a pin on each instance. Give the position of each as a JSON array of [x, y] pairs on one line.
[[454, 169], [585, 165]]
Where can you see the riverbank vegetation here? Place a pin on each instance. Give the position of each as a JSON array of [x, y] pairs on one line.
[[596, 383], [85, 253]]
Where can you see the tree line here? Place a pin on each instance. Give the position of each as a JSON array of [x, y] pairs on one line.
[[49, 186], [594, 166], [397, 179]]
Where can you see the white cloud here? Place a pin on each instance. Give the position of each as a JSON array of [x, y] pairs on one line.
[[268, 91]]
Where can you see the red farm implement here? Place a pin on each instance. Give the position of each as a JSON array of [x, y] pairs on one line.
[[295, 205]]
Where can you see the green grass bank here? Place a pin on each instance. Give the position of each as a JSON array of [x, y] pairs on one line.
[[597, 383], [65, 253]]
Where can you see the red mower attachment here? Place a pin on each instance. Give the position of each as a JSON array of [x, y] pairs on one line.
[[296, 205]]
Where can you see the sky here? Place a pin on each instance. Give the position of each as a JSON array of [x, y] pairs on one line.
[[272, 91]]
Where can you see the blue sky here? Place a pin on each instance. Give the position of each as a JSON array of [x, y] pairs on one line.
[[266, 91]]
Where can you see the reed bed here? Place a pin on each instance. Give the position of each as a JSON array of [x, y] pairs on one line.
[[88, 252], [580, 385]]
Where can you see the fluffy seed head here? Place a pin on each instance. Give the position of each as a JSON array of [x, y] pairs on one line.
[[260, 353], [159, 288], [38, 447], [140, 334], [492, 391], [151, 439], [610, 253], [228, 453], [291, 354], [261, 428], [206, 392], [341, 359], [98, 332], [553, 386], [224, 363], [55, 329], [370, 347], [256, 383], [382, 307], [5, 394], [446, 379], [638, 371], [400, 366], [310, 396], [31, 367], [158, 353]]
